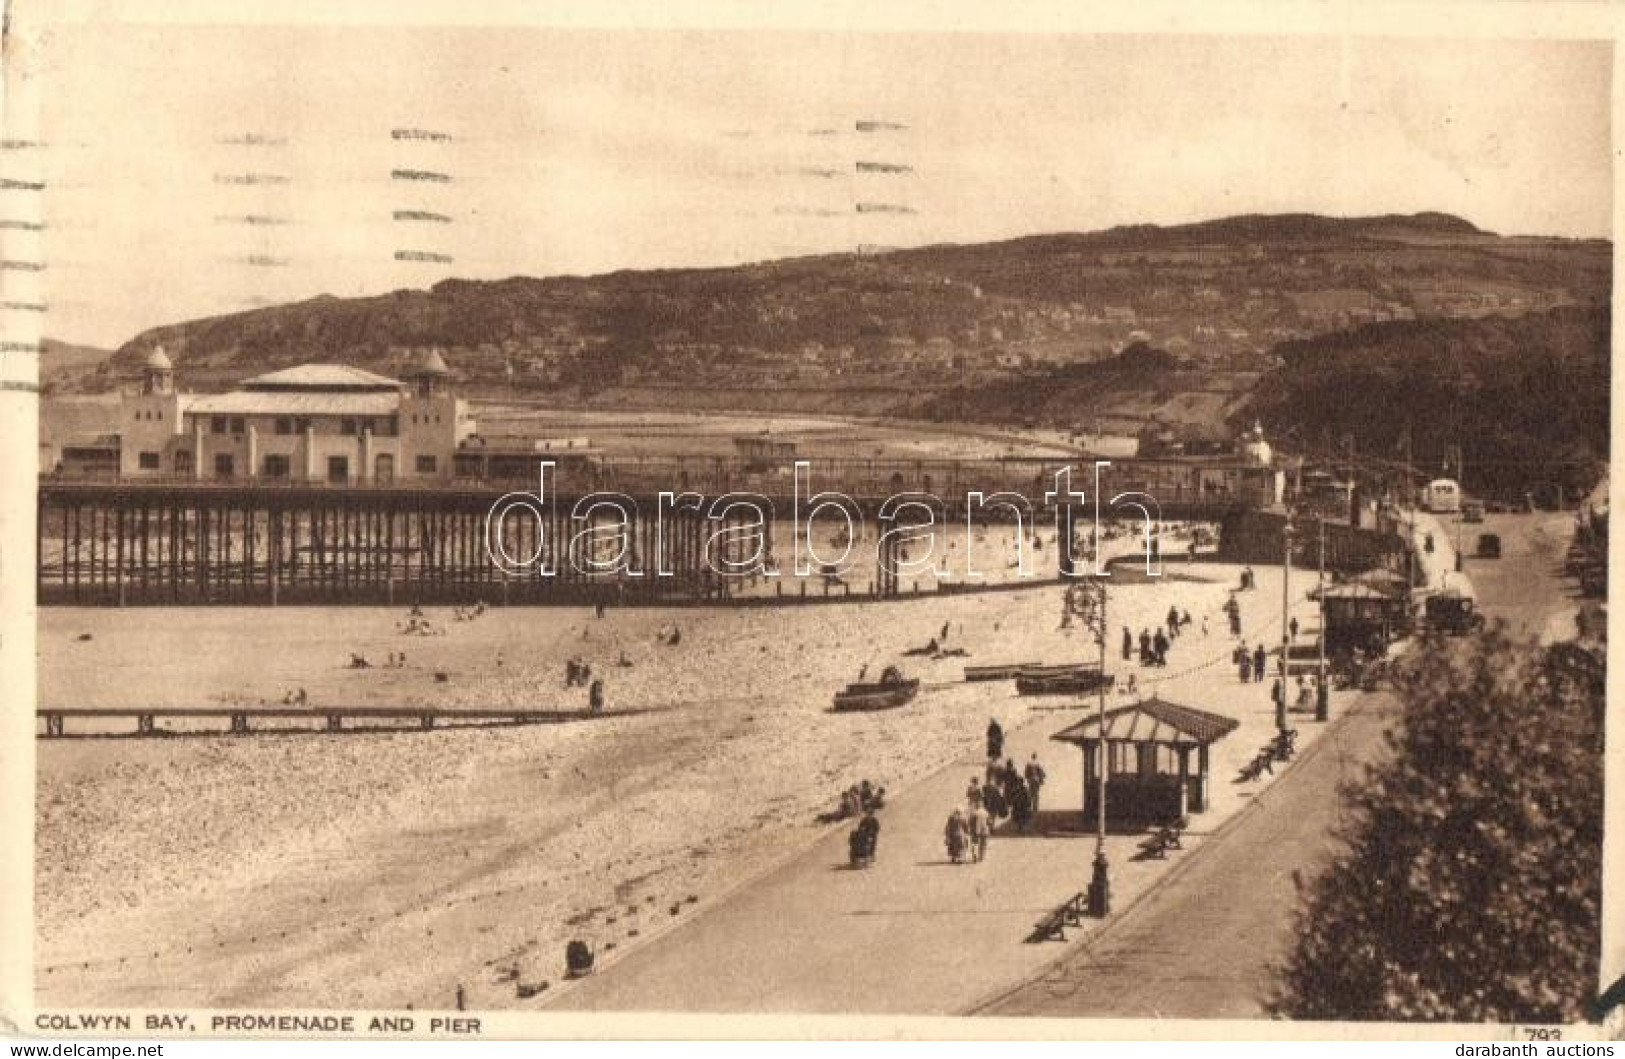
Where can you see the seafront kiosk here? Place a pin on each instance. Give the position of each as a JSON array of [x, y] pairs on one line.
[[1362, 615], [1148, 760]]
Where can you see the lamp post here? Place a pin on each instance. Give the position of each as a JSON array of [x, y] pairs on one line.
[[1086, 600], [1286, 631], [1322, 691]]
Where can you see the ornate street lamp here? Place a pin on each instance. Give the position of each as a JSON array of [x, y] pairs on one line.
[[1286, 631], [1086, 601], [1322, 690]]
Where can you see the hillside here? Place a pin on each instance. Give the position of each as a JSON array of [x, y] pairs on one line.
[[1526, 399], [1119, 394], [901, 328], [69, 367]]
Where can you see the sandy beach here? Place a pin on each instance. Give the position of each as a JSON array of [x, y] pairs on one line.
[[388, 869]]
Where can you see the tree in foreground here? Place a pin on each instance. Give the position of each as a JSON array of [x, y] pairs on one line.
[[1470, 883]]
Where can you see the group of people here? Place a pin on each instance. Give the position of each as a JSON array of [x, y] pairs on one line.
[[1250, 664], [577, 673], [418, 625], [1001, 792], [1306, 695], [468, 613], [1154, 645], [860, 798]]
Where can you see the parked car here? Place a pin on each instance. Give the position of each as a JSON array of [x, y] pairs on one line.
[[1452, 613]]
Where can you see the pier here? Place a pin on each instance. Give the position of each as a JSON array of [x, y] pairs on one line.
[[146, 542]]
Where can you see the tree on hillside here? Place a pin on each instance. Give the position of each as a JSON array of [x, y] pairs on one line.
[[1470, 887]]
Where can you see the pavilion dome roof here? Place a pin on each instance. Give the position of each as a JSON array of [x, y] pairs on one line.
[[321, 377], [433, 363]]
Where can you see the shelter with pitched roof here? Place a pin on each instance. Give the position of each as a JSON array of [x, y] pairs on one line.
[[311, 423], [1155, 757], [1363, 615]]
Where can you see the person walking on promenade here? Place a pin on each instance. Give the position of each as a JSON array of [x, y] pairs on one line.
[[1145, 646], [995, 740], [1292, 627], [979, 827], [1021, 806], [595, 697], [993, 801], [1258, 661], [1246, 665], [1035, 776], [954, 836], [1128, 644], [973, 794], [868, 831]]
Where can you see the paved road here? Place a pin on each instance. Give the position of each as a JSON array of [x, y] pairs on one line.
[[1525, 587]]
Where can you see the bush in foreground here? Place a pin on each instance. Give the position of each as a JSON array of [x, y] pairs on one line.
[[1470, 887]]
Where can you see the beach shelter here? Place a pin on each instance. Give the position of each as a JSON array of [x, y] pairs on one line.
[[1360, 615], [1156, 760]]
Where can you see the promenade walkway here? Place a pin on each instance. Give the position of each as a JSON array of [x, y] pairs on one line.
[[918, 934]]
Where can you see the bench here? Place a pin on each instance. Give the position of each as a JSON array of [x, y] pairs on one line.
[[1161, 841], [1053, 926]]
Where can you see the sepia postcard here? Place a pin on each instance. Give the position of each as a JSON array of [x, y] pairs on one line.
[[715, 520]]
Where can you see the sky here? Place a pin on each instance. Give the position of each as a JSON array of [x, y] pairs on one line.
[[191, 171]]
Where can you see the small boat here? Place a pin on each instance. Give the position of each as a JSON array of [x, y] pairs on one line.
[[1012, 670], [1065, 669], [891, 692], [1076, 680], [1008, 671]]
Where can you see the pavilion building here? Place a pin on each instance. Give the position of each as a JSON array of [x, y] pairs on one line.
[[313, 423]]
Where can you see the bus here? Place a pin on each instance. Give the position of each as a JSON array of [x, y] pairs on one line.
[[1442, 496]]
